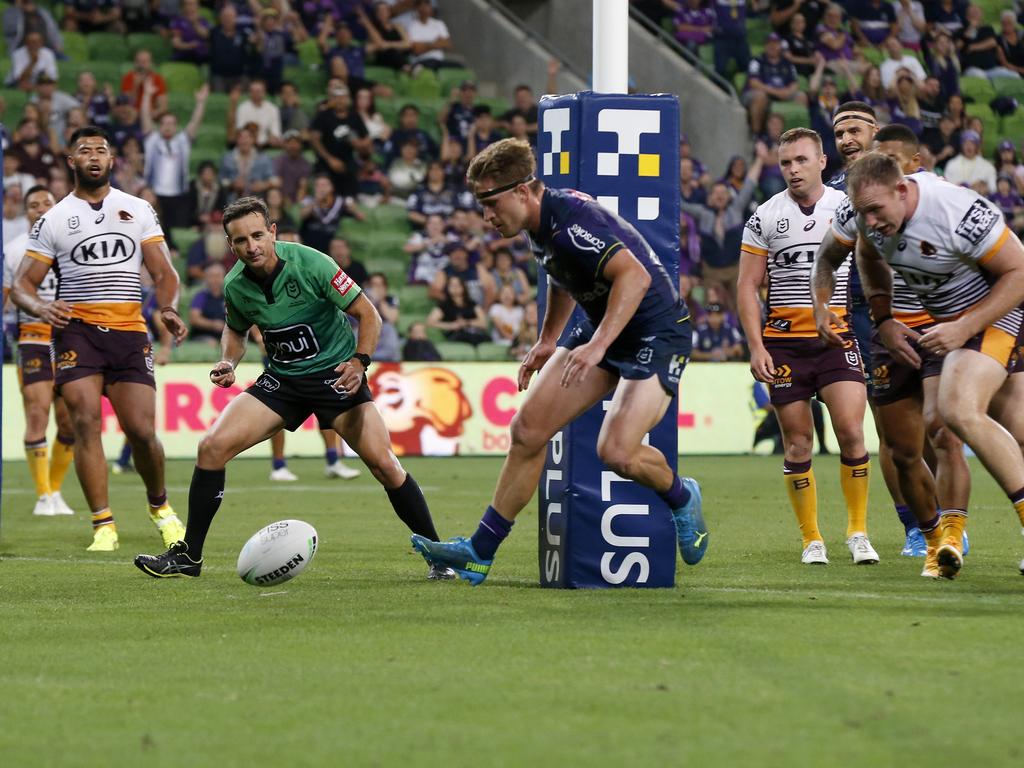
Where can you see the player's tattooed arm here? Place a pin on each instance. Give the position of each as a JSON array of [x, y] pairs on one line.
[[876, 277], [830, 256], [25, 294]]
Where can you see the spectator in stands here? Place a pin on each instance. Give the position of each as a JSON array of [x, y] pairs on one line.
[[374, 185], [207, 197], [770, 78], [943, 143], [797, 48], [783, 11], [418, 347], [206, 311], [1011, 44], [190, 34], [209, 248], [428, 250], [97, 103], [409, 128], [872, 92], [260, 112], [13, 175], [689, 254], [388, 344], [408, 171], [956, 111], [429, 37], [478, 281], [54, 105], [124, 123], [1006, 163], [339, 250], [505, 273], [228, 51], [904, 107], [484, 133], [518, 129], [873, 22], [292, 168], [1009, 201], [337, 134], [457, 316], [87, 16], [33, 157], [528, 332], [33, 111], [932, 105], [835, 43], [694, 24], [134, 80], [771, 181], [245, 170], [336, 41], [434, 196], [896, 61], [910, 21], [293, 116], [26, 16], [969, 167], [506, 317], [388, 44], [453, 156], [721, 227], [690, 188], [468, 228], [715, 339], [524, 105], [945, 64], [276, 208], [947, 16], [15, 220], [31, 62], [73, 120], [458, 117], [321, 213], [376, 126], [979, 48], [730, 38], [167, 150]]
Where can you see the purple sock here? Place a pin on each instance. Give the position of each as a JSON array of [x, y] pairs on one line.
[[908, 518], [931, 525], [492, 531], [677, 495], [331, 456], [126, 455], [158, 500], [277, 463]]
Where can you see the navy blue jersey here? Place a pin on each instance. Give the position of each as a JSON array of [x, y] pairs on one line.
[[577, 237], [856, 288]]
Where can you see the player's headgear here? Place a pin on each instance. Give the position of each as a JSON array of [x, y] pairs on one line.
[[854, 110], [508, 163]]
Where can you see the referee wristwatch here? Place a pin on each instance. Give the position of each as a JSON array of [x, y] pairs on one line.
[[364, 359]]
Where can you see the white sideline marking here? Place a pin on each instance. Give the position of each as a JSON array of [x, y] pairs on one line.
[[347, 488]]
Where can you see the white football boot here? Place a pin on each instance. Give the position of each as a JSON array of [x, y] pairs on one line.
[[815, 554], [861, 550]]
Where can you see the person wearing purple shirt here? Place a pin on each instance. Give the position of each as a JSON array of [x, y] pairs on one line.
[[730, 39], [190, 34], [346, 48], [694, 24], [206, 312], [770, 78], [1009, 201], [633, 340], [873, 21], [834, 42], [270, 44]]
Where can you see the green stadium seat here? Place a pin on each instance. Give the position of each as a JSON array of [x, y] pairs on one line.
[[977, 88], [200, 154], [14, 103], [217, 105], [392, 217], [182, 76], [184, 237], [423, 86], [758, 30], [1012, 127], [414, 300], [108, 46], [794, 115], [311, 84], [456, 352], [382, 75], [492, 353], [395, 268], [160, 47], [874, 55], [196, 352], [76, 47], [1009, 86], [449, 78], [182, 105]]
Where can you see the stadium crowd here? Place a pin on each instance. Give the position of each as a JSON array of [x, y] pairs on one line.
[[356, 120]]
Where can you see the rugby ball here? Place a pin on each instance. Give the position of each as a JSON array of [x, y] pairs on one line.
[[277, 553]]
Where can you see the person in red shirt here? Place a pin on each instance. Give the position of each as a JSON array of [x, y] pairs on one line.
[[132, 82]]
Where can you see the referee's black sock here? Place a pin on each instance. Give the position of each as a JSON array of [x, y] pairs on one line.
[[204, 497], [411, 508]]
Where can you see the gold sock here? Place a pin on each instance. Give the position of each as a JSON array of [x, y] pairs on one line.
[[953, 523], [38, 466], [60, 460], [803, 497], [101, 518], [1017, 500], [854, 475]]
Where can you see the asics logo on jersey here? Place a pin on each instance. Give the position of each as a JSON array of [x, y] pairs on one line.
[[103, 250], [591, 242]]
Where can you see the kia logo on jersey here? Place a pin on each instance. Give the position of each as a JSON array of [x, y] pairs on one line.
[[103, 250]]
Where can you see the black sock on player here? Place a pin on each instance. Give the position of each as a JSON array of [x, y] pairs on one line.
[[411, 508], [204, 497]]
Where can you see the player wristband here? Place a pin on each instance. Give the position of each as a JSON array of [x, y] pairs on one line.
[[170, 309], [364, 359], [882, 319]]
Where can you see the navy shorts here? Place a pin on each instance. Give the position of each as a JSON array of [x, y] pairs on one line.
[[891, 380], [662, 353]]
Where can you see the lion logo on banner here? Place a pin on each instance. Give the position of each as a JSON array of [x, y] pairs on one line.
[[424, 409]]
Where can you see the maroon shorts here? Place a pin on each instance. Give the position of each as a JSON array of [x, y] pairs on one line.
[[34, 364], [803, 367], [999, 345], [891, 380], [82, 350]]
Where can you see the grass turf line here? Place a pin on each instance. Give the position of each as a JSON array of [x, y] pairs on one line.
[[752, 660]]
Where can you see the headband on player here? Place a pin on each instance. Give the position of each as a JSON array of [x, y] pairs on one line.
[[853, 116], [505, 188]]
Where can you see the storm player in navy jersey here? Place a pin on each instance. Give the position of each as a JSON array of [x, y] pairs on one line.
[[634, 341]]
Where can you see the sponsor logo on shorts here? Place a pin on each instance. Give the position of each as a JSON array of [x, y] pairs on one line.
[[31, 365], [332, 383], [67, 360], [342, 283], [978, 222], [783, 377], [268, 383], [585, 240], [645, 355], [291, 344], [880, 378], [147, 353], [103, 250]]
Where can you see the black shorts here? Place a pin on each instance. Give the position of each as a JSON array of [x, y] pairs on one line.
[[34, 364], [662, 353], [804, 367], [81, 350], [294, 398], [891, 380]]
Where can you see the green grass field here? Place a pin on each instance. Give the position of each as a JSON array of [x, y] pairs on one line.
[[752, 660]]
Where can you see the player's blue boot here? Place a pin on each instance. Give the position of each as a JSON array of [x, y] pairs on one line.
[[915, 545], [967, 545], [457, 554], [691, 533]]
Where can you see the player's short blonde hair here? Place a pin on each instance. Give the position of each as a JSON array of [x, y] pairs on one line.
[[873, 168], [795, 134], [509, 161]]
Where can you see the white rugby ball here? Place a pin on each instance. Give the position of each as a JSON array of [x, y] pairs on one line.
[[277, 553]]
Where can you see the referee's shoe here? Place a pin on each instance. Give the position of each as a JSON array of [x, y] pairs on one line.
[[174, 562]]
